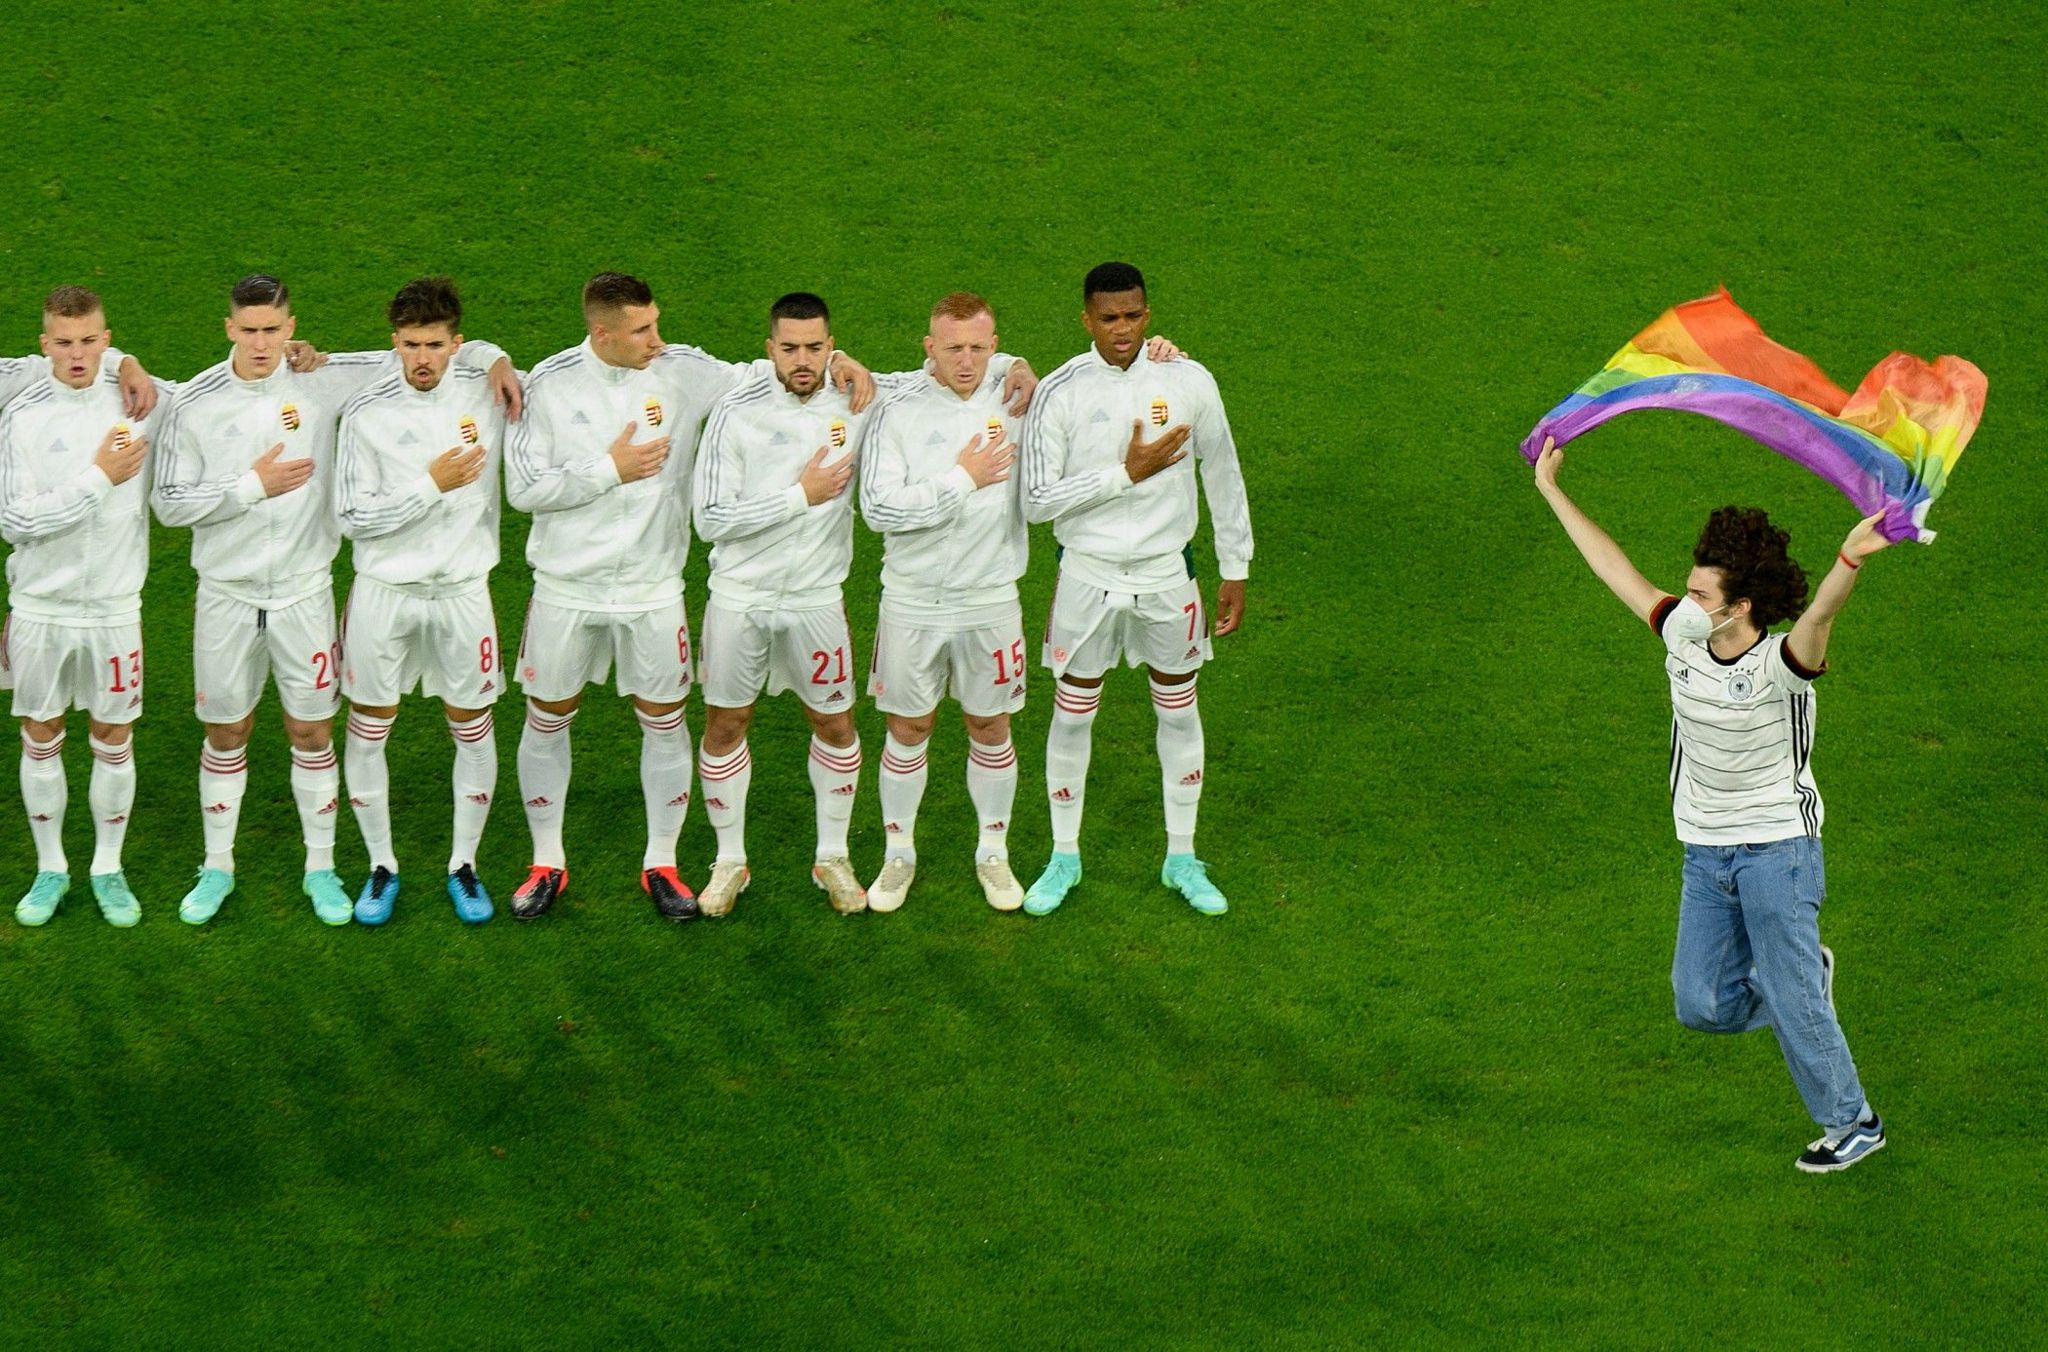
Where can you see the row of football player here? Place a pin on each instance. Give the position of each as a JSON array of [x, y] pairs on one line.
[[272, 455]]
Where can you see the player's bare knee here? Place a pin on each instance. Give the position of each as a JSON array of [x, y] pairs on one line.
[[1169, 677], [1081, 682], [725, 729], [108, 734], [654, 709], [375, 710], [911, 730], [833, 729], [39, 731], [556, 707], [456, 715], [234, 736], [992, 730]]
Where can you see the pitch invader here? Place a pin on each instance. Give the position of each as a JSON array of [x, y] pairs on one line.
[[611, 534], [74, 479], [1125, 511], [245, 461], [416, 492]]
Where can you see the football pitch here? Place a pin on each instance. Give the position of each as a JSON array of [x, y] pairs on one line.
[[1422, 1085]]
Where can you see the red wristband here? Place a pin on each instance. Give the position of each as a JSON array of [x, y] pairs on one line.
[[1844, 557]]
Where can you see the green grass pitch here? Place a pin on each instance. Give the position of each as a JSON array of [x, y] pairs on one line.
[[1422, 1086]]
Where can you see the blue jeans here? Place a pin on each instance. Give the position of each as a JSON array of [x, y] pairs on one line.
[[1749, 957]]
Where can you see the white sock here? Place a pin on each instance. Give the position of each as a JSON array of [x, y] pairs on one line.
[[316, 788], [664, 782], [223, 780], [369, 786], [835, 780], [725, 781], [112, 795], [904, 772], [45, 792], [1067, 747], [1180, 761], [544, 781], [992, 788], [475, 780]]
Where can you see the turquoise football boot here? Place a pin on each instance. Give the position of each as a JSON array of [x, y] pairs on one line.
[[379, 895], [472, 903], [117, 901], [1188, 876], [202, 903], [1062, 871], [43, 897], [330, 899]]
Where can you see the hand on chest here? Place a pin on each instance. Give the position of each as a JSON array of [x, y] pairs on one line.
[[1106, 415]]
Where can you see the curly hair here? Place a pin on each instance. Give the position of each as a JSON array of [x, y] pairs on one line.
[[1750, 554]]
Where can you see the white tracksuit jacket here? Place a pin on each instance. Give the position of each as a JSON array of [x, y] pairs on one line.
[[1118, 535]]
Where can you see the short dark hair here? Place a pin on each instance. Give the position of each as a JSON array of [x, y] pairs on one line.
[[426, 300], [613, 291], [1751, 556], [260, 288], [799, 305], [1112, 277], [72, 302]]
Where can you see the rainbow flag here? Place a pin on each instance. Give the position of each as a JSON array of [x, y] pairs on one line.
[[1889, 447]]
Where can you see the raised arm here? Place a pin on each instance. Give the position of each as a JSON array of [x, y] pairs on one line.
[[1602, 555], [1808, 640]]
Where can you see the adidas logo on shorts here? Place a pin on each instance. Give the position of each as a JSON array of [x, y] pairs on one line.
[[836, 697]]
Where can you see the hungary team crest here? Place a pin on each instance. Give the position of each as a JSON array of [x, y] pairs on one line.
[[468, 427], [289, 416], [838, 433], [654, 412], [1159, 412]]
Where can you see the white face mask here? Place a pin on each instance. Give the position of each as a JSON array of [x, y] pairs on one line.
[[1689, 620]]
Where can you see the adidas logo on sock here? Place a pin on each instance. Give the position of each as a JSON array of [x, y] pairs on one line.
[[718, 803], [542, 801], [332, 805], [843, 791], [894, 828], [216, 808], [1063, 795], [1194, 777], [479, 798], [680, 800]]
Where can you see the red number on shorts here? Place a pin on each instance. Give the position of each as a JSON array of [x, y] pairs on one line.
[[683, 645], [1016, 659], [486, 654], [134, 673], [323, 670], [824, 660], [1193, 610]]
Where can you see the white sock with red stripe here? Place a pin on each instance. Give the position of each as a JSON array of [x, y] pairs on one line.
[[904, 772], [835, 779], [725, 780], [369, 786], [475, 780], [1067, 748], [316, 789], [664, 782], [992, 787], [544, 781], [45, 792], [1180, 761], [223, 780], [112, 795]]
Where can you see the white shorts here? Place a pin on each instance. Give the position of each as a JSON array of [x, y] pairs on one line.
[[565, 648], [808, 651], [912, 668], [446, 647], [235, 646], [54, 668], [1090, 630]]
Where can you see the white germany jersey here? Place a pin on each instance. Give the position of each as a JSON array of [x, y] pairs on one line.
[[262, 551], [1120, 536], [1741, 741], [598, 544], [953, 549], [81, 542], [771, 549], [407, 533]]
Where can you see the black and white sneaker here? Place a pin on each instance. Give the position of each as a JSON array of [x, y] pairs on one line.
[[1838, 1150], [543, 887], [1827, 975]]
